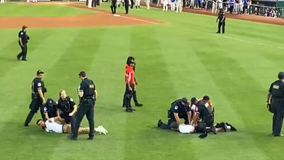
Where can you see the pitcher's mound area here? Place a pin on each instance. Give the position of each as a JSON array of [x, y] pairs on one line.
[[101, 18]]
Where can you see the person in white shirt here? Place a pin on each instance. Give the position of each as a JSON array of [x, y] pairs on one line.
[[148, 4], [165, 5], [2, 1], [179, 5], [52, 127]]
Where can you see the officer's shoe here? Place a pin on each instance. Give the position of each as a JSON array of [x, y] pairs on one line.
[[223, 126], [18, 58], [213, 129], [72, 137], [203, 135], [24, 60], [159, 123], [128, 110], [90, 138], [138, 105], [26, 125]]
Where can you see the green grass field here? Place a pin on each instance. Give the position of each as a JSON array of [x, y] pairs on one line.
[[183, 58]]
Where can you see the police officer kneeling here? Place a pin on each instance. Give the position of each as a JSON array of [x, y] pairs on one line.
[[50, 109], [275, 103], [205, 114], [179, 109], [87, 94], [67, 107]]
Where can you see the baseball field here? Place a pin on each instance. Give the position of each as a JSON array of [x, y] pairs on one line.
[[177, 54]]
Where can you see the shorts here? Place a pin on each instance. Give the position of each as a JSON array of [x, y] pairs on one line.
[[186, 128]]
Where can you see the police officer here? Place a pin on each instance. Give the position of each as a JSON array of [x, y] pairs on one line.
[[204, 113], [221, 19], [68, 108], [50, 109], [23, 40], [38, 91], [113, 6], [87, 94], [126, 6], [276, 99], [132, 3], [94, 3], [137, 104], [179, 109]]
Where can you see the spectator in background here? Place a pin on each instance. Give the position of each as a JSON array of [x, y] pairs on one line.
[[249, 6], [241, 5], [214, 6], [245, 6], [232, 3]]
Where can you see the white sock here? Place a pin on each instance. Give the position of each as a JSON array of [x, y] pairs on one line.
[[228, 127]]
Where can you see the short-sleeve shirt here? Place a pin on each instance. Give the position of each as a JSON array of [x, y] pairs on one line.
[[23, 36], [88, 87], [177, 107], [202, 109], [66, 106], [276, 89], [37, 84], [129, 75]]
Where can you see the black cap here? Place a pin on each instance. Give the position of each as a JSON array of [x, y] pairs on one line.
[[206, 98], [39, 72], [50, 102], [185, 100], [24, 27], [193, 100], [281, 75]]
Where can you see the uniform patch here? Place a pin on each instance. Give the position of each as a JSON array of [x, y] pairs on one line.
[[39, 84], [71, 100], [45, 109], [22, 33], [176, 107]]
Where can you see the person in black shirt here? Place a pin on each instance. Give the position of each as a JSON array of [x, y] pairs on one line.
[[275, 103], [38, 90], [67, 107], [50, 109], [113, 6], [179, 109], [23, 40], [221, 19], [88, 94]]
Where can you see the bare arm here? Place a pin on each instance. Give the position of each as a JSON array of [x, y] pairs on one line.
[[195, 118], [41, 95], [96, 94], [189, 116], [177, 118], [74, 110], [20, 40]]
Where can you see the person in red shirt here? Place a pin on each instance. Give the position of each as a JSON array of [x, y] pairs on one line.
[[137, 104], [129, 85]]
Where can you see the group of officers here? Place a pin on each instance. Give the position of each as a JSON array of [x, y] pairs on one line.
[[65, 108], [198, 115]]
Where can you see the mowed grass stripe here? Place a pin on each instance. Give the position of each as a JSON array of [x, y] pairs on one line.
[[108, 70], [14, 136], [226, 85]]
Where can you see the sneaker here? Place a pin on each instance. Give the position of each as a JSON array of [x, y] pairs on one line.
[[232, 127], [223, 126], [159, 123], [138, 105]]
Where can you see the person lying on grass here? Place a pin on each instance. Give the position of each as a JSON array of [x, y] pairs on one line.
[[53, 127]]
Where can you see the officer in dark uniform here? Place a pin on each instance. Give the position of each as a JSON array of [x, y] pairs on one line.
[[137, 104], [113, 6], [221, 19], [87, 94], [126, 6], [179, 109], [276, 99], [68, 108], [23, 41], [132, 3], [50, 109], [205, 114], [38, 90]]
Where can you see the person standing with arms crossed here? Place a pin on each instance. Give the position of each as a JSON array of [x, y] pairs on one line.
[[88, 94], [23, 40], [38, 90], [275, 104]]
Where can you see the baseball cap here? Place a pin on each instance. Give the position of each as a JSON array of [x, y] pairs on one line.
[[193, 100], [280, 74], [49, 102], [185, 100], [40, 72]]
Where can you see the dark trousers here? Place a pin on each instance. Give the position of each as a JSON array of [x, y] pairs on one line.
[[35, 105], [126, 6], [24, 52], [171, 120], [231, 9], [85, 108], [113, 6], [69, 120], [278, 110], [94, 3], [128, 95], [132, 3], [134, 95], [221, 25]]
